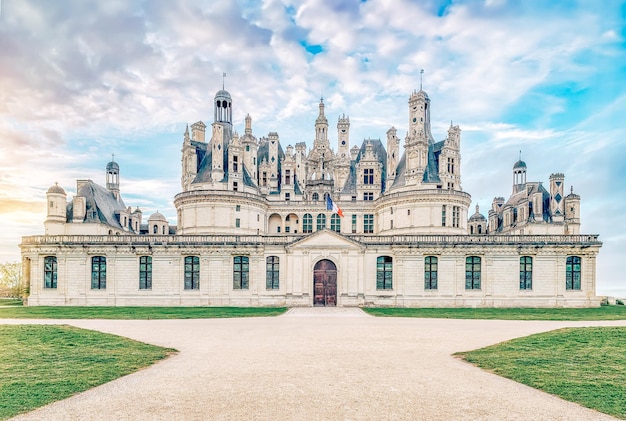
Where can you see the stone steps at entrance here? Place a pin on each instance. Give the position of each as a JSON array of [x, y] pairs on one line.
[[326, 312]]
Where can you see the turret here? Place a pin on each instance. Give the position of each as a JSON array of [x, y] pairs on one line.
[[189, 160], [572, 213], [113, 178], [273, 160], [157, 224], [57, 204], [519, 176]]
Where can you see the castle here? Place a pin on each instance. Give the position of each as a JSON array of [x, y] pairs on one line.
[[367, 225]]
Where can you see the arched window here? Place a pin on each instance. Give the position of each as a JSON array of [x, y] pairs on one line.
[[321, 221], [572, 272], [307, 223], [98, 272], [272, 272], [335, 223], [384, 272], [472, 272], [192, 272], [316, 197], [430, 272], [525, 272], [241, 269], [155, 229], [50, 272], [145, 272]]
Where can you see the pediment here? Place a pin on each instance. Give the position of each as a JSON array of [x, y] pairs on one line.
[[325, 239]]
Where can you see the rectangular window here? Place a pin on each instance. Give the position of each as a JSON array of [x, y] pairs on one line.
[[353, 224], [368, 224], [456, 211], [307, 223], [50, 272], [430, 272], [525, 272], [335, 223], [192, 272], [384, 272], [264, 179], [368, 176], [472, 272], [271, 271], [235, 186], [235, 163], [145, 272], [443, 216], [287, 177], [98, 272], [240, 272], [237, 208], [572, 273], [287, 197], [237, 223], [368, 196]]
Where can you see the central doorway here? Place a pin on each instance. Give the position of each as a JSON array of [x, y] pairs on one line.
[[325, 284]]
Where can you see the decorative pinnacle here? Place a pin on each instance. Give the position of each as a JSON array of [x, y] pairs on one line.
[[421, 78]]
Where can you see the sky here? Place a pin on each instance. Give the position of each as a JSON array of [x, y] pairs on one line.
[[82, 80]]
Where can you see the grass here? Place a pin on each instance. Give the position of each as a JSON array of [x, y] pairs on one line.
[[596, 313], [10, 302], [42, 364], [583, 365], [137, 313]]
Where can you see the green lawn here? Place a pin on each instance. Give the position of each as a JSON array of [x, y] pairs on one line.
[[583, 365], [142, 313], [596, 313], [10, 302], [42, 364]]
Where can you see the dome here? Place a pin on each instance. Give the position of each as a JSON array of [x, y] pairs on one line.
[[56, 189], [519, 164], [156, 216], [477, 217], [222, 94], [113, 166]]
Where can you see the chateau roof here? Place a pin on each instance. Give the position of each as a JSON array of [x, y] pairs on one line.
[[101, 205]]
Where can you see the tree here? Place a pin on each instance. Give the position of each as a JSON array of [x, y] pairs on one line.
[[11, 284]]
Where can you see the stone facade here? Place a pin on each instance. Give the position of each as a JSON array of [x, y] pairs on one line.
[[263, 225]]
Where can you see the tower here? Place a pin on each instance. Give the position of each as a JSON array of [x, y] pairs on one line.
[[450, 160], [321, 129], [189, 160], [221, 133], [57, 204], [419, 137], [113, 178]]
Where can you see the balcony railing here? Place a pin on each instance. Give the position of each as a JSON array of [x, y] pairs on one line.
[[253, 240]]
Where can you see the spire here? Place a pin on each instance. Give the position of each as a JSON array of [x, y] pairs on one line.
[[223, 78]]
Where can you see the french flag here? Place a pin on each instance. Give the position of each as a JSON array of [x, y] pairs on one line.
[[330, 205]]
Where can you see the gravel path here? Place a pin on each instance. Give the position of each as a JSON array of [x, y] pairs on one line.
[[315, 364]]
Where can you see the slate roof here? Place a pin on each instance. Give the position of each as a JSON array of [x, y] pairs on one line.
[[101, 205]]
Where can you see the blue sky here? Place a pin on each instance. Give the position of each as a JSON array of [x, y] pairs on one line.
[[82, 80]]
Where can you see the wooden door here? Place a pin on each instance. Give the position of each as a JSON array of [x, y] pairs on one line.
[[325, 284]]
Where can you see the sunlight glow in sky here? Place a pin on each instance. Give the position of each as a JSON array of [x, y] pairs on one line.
[[80, 81]]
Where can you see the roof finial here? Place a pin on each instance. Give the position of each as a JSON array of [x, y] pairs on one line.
[[223, 77], [571, 190], [520, 154], [112, 157], [421, 78]]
